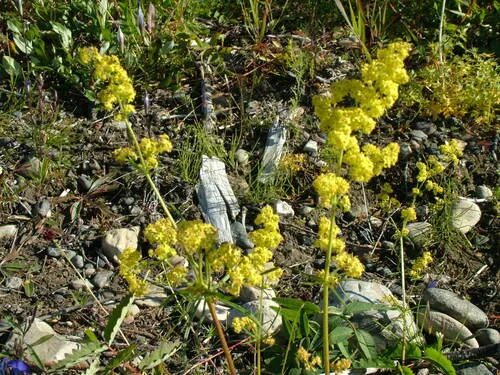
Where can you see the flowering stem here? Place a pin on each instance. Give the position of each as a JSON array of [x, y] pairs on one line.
[[222, 337], [326, 300], [403, 287], [135, 142]]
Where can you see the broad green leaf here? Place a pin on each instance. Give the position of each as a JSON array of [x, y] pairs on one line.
[[64, 33], [356, 307], [366, 343], [404, 370], [439, 360], [115, 320], [11, 66], [157, 356], [24, 45], [340, 334]]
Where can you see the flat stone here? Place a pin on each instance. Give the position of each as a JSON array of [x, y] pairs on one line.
[[426, 126], [386, 326], [43, 208], [483, 192], [452, 329], [117, 240], [311, 147], [53, 252], [14, 282], [418, 135], [465, 215], [282, 208], [447, 302], [419, 232], [250, 293], [102, 278], [487, 336], [154, 297], [473, 368], [8, 231], [202, 311], [240, 236], [77, 261], [404, 150], [80, 284], [48, 351], [271, 320]]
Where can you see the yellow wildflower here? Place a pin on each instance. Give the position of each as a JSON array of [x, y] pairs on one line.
[[340, 365], [451, 151], [177, 275], [360, 166], [420, 265], [267, 218], [293, 162], [193, 236], [269, 340], [129, 269], [434, 187], [409, 214], [349, 264], [161, 232], [423, 172], [226, 255], [303, 355], [162, 252], [330, 186], [338, 244], [266, 238], [125, 155], [244, 323], [333, 279]]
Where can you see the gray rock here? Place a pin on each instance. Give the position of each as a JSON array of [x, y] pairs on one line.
[[451, 304], [14, 282], [48, 351], [80, 284], [419, 232], [102, 278], [240, 236], [404, 150], [250, 293], [465, 214], [154, 297], [271, 320], [307, 210], [311, 147], [386, 326], [376, 222], [242, 157], [8, 231], [53, 252], [129, 201], [43, 208], [117, 240], [31, 167], [452, 329], [483, 192], [282, 208], [418, 136], [89, 270], [202, 311], [473, 368], [427, 127], [487, 336], [77, 261]]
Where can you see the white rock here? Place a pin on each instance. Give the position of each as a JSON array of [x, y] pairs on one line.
[[251, 293], [80, 284], [465, 214], [117, 240], [311, 147], [484, 192], [154, 297], [48, 351], [242, 156], [8, 231], [14, 282], [283, 209], [419, 232], [202, 311]]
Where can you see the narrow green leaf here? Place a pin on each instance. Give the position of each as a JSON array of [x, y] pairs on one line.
[[122, 356], [356, 307], [404, 370], [439, 360], [94, 367], [157, 356], [366, 343], [115, 320]]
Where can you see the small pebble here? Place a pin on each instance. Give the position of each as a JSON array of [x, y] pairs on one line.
[[77, 261], [311, 147], [102, 278], [43, 208], [404, 150], [79, 284], [14, 282], [282, 208], [242, 156], [8, 231]]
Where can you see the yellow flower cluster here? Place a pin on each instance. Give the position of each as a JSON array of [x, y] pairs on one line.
[[330, 189], [349, 264], [150, 149], [386, 202], [268, 236], [307, 360], [244, 323], [409, 214], [293, 162], [117, 86], [340, 365], [373, 94], [164, 236], [333, 279], [421, 263], [194, 236], [130, 266], [177, 275], [451, 151]]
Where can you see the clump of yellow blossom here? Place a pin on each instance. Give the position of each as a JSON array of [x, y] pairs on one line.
[[333, 279], [306, 359], [269, 340], [130, 267], [293, 162], [116, 86], [338, 244], [409, 214], [386, 201], [421, 263], [150, 149], [340, 365], [451, 151], [164, 236], [195, 235], [349, 264], [268, 236], [330, 187], [244, 323]]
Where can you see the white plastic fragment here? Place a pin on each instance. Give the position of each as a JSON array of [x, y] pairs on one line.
[[217, 200], [274, 148]]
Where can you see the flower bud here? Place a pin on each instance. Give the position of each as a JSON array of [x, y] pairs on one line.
[[151, 15], [140, 19], [147, 102], [121, 39]]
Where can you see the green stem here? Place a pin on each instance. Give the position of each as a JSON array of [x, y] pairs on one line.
[[326, 302], [403, 287], [222, 337], [146, 173]]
